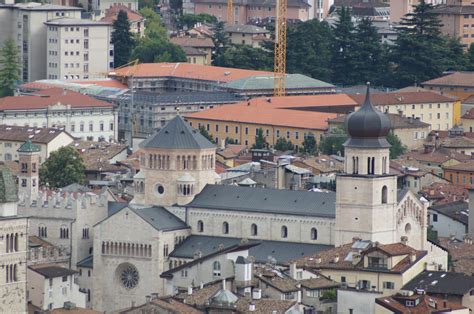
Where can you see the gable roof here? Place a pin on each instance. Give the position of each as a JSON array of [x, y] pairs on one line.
[[87, 262], [454, 79], [393, 304], [387, 99], [264, 200], [52, 271], [177, 134], [281, 251], [458, 210], [159, 218], [35, 134], [195, 42], [396, 122], [111, 14], [441, 282]]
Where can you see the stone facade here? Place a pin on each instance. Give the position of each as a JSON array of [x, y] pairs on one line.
[[111, 262]]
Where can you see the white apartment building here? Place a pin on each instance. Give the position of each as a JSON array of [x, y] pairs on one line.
[[80, 115], [50, 287], [78, 49], [24, 23]]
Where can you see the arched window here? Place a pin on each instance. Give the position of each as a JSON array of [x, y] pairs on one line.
[[200, 226], [216, 269], [314, 234], [8, 244], [384, 194], [284, 232], [372, 170], [253, 229], [225, 227], [85, 232]]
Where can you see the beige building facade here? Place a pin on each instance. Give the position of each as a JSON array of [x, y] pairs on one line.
[[78, 49]]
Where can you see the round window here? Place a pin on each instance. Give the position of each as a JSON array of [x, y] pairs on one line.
[[160, 189], [129, 276]]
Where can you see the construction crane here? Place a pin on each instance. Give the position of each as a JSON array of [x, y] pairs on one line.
[[130, 73], [279, 75], [230, 12]]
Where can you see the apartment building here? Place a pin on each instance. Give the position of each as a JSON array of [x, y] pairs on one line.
[[291, 117], [457, 19], [399, 8], [247, 35], [101, 6], [248, 11], [440, 111], [24, 23], [78, 49], [458, 84], [80, 115]]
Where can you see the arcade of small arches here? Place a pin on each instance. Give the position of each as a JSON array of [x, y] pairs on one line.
[[254, 230], [11, 273], [159, 161], [185, 189], [139, 187], [183, 162], [126, 249], [64, 232], [409, 208]]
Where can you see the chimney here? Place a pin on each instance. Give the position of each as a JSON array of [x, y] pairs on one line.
[[293, 270], [298, 293], [251, 307], [154, 296], [336, 258], [148, 299], [257, 294], [404, 240], [190, 290], [222, 144], [452, 236], [133, 304], [317, 260], [355, 258], [201, 285], [412, 257]]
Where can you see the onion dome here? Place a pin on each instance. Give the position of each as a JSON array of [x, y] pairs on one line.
[[367, 127]]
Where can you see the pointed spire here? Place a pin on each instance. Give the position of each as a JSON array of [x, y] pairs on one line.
[[29, 147], [367, 103]]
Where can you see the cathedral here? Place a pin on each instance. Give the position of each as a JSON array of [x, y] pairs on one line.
[[179, 202]]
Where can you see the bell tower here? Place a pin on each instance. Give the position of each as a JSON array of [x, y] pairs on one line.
[[366, 196], [28, 179]]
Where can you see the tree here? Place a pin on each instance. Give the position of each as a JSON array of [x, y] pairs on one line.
[[283, 145], [418, 53], [342, 50], [122, 39], [331, 143], [189, 20], [63, 167], [309, 49], [158, 50], [260, 140], [246, 57], [470, 58], [309, 144], [206, 134], [154, 27], [221, 43], [397, 148], [9, 68], [368, 53]]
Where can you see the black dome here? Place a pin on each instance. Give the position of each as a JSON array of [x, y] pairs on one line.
[[367, 127]]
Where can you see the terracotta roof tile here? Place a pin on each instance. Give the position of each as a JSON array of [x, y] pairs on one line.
[[276, 279], [453, 79], [48, 97], [188, 70], [424, 307], [461, 255], [317, 283], [200, 296], [442, 193], [387, 99], [195, 42], [437, 156], [112, 13]]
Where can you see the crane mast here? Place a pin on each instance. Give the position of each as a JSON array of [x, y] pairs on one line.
[[279, 84]]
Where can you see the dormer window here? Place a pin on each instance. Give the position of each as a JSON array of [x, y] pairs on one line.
[[377, 262]]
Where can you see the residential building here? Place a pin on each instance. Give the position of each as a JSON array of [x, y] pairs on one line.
[[460, 174], [457, 84], [24, 23], [78, 49], [14, 247], [456, 19], [449, 219], [454, 287], [80, 115], [191, 44], [454, 140], [439, 111], [245, 12], [47, 139], [377, 9], [85, 268], [51, 286], [461, 251], [413, 175], [436, 160], [467, 120], [441, 193], [290, 117], [247, 35], [102, 6], [137, 21], [417, 303], [399, 8], [411, 132]]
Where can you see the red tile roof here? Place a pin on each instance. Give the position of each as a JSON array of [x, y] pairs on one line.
[[469, 114], [48, 97], [45, 84], [465, 79], [112, 13], [386, 99], [187, 70], [428, 304], [196, 42]]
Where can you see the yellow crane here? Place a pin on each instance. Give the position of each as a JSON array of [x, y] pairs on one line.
[[230, 12], [279, 70]]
